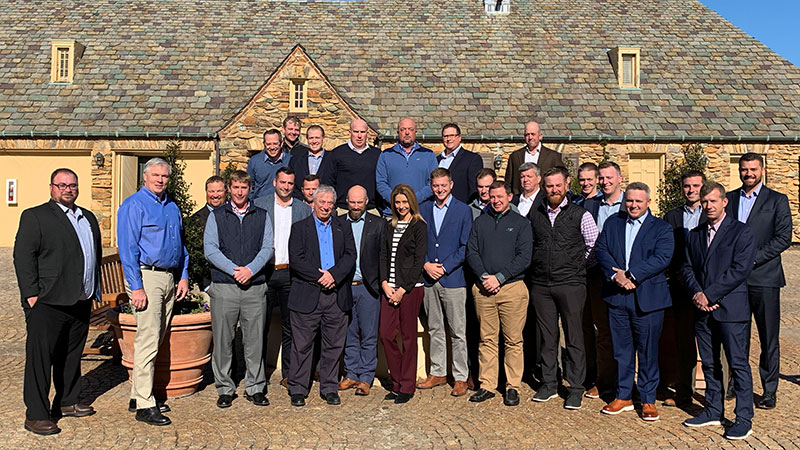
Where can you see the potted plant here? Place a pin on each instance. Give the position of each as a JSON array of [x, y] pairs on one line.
[[186, 347]]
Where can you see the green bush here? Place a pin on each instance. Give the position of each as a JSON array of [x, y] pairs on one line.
[[671, 192]]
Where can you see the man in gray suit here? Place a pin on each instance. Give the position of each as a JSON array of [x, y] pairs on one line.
[[283, 211]]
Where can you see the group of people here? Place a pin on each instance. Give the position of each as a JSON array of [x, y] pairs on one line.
[[351, 245]]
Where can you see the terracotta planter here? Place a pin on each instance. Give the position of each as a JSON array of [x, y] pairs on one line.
[[186, 349]]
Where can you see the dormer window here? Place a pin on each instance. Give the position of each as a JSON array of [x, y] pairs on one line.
[[626, 62], [63, 57], [297, 96], [497, 6]]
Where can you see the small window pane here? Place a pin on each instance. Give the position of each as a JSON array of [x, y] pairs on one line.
[[63, 63], [298, 99], [627, 69]]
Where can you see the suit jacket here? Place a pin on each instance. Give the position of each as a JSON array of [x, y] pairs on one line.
[[410, 255], [299, 164], [449, 246], [372, 238], [675, 219], [48, 258], [463, 170], [721, 270], [771, 222], [650, 255], [304, 263], [547, 158]]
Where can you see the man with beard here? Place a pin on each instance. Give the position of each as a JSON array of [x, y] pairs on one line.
[[291, 132]]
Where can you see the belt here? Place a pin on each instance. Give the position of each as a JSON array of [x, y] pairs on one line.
[[281, 266], [156, 269], [357, 283]]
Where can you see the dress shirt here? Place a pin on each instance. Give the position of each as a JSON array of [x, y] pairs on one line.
[[315, 161], [712, 229], [149, 233], [262, 171], [607, 210], [283, 227], [525, 203], [240, 212], [632, 227], [440, 211], [533, 157], [353, 147], [215, 256], [589, 230], [86, 238], [691, 217], [325, 240], [447, 160], [746, 202], [358, 229]]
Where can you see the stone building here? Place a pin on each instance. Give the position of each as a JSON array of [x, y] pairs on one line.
[[101, 86]]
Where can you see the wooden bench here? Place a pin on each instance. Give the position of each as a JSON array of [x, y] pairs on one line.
[[112, 285]]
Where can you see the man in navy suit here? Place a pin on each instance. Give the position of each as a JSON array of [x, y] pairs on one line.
[[768, 215], [462, 163], [718, 255], [311, 161], [322, 255], [634, 252], [449, 224]]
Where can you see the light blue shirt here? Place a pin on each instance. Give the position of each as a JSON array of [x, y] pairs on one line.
[[262, 171], [447, 160], [325, 239], [439, 212], [215, 256], [691, 218], [607, 210], [358, 230], [314, 162], [632, 228], [746, 202], [86, 238]]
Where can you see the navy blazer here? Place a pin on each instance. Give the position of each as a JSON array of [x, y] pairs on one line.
[[463, 170], [449, 247], [299, 164], [674, 217], [650, 256], [721, 271], [372, 237], [771, 222], [304, 263]]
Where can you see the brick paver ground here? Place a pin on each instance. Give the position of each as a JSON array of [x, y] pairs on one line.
[[432, 419]]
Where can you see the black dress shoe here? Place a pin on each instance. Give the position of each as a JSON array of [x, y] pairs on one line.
[[511, 397], [42, 427], [481, 395], [152, 416], [403, 398], [298, 400], [391, 396], [768, 401], [77, 410], [225, 401], [332, 398], [163, 407], [258, 399]]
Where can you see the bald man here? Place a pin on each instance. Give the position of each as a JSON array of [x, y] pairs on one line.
[[406, 162], [361, 346], [534, 152], [353, 163]]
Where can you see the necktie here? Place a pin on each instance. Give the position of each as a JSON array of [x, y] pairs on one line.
[[712, 231]]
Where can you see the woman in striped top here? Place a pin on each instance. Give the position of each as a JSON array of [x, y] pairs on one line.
[[402, 256]]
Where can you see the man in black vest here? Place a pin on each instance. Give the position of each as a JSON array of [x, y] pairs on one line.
[[238, 244], [57, 255], [564, 235]]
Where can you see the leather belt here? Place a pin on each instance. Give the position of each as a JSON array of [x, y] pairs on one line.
[[357, 283], [281, 266], [156, 269]]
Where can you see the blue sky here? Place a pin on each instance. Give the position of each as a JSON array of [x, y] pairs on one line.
[[776, 23]]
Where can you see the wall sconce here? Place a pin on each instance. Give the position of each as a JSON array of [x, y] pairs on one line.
[[99, 159], [498, 158]]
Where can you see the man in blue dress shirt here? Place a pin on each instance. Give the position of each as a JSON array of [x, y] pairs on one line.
[[262, 166], [153, 255]]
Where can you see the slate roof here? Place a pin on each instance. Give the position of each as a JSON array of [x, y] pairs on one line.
[[189, 66]]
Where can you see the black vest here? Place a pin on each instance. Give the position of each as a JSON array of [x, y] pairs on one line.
[[558, 249], [239, 241]]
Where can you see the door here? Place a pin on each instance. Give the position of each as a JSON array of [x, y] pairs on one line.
[[647, 168]]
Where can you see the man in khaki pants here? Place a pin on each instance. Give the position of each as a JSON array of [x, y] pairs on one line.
[[153, 256], [498, 252]]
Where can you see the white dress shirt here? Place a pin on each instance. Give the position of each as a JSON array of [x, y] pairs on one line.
[[283, 227]]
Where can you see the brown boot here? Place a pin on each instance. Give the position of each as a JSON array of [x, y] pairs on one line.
[[347, 383], [459, 389], [432, 382]]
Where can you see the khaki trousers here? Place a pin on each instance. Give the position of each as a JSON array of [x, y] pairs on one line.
[[151, 325], [505, 311]]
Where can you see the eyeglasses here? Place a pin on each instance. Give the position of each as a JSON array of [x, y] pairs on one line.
[[63, 187], [446, 136]]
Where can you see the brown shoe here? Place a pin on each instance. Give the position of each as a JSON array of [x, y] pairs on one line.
[[43, 427], [347, 383], [285, 383], [649, 412], [617, 406], [362, 388], [77, 410], [432, 382], [592, 393], [459, 389], [678, 401], [471, 384]]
